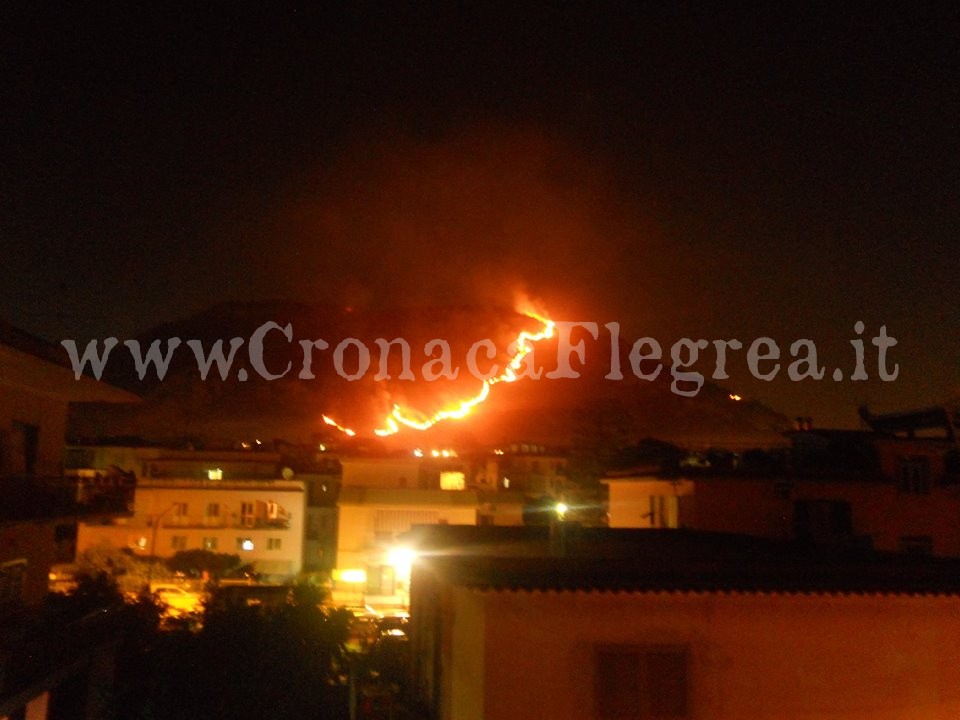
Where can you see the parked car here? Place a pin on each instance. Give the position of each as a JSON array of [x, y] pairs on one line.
[[176, 600], [393, 628]]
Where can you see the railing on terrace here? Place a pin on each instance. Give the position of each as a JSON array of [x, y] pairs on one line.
[[35, 497], [56, 648], [233, 484]]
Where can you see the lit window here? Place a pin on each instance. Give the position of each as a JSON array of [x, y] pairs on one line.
[[244, 544], [210, 543], [451, 480], [351, 575], [215, 474]]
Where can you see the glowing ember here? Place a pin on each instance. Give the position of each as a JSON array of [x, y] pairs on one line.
[[333, 423]]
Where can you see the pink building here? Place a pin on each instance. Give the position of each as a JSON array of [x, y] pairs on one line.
[[895, 487], [692, 626]]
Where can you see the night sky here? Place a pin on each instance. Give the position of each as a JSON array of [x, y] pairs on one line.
[[682, 172]]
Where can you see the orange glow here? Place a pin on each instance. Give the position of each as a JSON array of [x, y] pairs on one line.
[[405, 417], [523, 346], [735, 397]]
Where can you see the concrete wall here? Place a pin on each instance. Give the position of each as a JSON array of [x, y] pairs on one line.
[[48, 413], [647, 503], [381, 472], [751, 656]]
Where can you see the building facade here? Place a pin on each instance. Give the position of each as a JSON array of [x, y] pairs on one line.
[[237, 503], [382, 498], [54, 668], [872, 488], [709, 627]]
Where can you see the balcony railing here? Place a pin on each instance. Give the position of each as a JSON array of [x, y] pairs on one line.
[[40, 656], [188, 522], [33, 497]]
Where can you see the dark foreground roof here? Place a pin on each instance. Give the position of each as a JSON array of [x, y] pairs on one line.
[[21, 340], [684, 561]]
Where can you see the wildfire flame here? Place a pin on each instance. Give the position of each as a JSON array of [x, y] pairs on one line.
[[403, 417], [345, 430]]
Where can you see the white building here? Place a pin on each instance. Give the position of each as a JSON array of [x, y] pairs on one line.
[[226, 502]]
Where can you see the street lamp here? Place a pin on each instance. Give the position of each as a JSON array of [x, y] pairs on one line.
[[153, 544]]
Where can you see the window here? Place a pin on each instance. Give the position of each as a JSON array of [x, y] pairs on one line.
[[12, 575], [246, 514], [210, 543], [822, 521], [26, 440], [274, 543], [66, 538], [664, 511], [782, 490], [215, 474], [178, 542], [916, 544], [913, 475], [177, 514], [394, 522], [641, 682], [380, 580], [244, 544], [451, 480], [213, 510]]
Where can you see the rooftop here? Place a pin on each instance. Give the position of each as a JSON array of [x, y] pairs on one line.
[[603, 559]]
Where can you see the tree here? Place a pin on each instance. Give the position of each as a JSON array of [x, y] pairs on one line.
[[128, 572], [285, 661]]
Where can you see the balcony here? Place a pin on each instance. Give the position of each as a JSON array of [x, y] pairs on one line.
[[34, 497], [187, 522], [40, 654]]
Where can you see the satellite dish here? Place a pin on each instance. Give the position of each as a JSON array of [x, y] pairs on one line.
[[287, 473]]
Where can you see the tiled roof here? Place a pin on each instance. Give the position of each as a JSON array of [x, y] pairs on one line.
[[682, 561]]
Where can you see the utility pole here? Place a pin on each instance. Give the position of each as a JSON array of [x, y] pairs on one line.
[[153, 545]]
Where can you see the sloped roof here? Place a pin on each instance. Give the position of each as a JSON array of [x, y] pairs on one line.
[[36, 365], [685, 561]]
